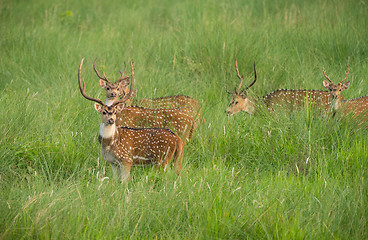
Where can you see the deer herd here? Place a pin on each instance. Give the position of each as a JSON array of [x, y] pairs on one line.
[[155, 131]]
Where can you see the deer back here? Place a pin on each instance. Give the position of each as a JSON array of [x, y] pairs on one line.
[[297, 98], [173, 119], [358, 107], [177, 101]]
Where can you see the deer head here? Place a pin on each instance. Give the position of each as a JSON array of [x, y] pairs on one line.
[[113, 90], [335, 89], [240, 100], [108, 112]]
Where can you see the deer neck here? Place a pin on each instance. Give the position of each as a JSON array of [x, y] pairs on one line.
[[107, 133], [251, 105], [336, 102]]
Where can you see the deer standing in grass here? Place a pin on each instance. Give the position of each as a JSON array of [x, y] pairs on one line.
[[118, 89], [138, 117], [123, 147], [358, 107], [282, 97], [114, 90]]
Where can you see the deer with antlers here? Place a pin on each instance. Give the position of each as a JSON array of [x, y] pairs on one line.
[[115, 91], [281, 97], [138, 117], [358, 106], [335, 89], [123, 147]]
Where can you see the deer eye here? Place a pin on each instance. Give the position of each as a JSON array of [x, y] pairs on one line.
[[104, 112], [107, 88]]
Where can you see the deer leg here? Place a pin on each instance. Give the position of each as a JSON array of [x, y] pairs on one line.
[[178, 156], [186, 133], [115, 170], [124, 170]]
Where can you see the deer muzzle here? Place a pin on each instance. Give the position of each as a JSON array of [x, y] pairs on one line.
[[110, 121]]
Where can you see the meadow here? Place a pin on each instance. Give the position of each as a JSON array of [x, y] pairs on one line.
[[286, 175]]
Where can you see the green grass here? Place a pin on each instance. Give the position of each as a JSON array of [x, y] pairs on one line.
[[286, 175]]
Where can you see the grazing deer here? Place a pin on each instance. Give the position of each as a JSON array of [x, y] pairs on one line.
[[281, 97], [358, 107], [123, 147], [121, 87]]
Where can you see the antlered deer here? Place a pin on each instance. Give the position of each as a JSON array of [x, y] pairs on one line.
[[358, 107], [118, 89], [123, 147], [335, 89], [137, 117], [281, 97]]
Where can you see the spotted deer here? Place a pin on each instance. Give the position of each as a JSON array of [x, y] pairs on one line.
[[115, 91], [123, 147], [279, 98], [335, 89], [358, 106], [178, 120]]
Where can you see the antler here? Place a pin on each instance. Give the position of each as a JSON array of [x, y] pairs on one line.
[[127, 96], [83, 90], [122, 74], [240, 77], [255, 77], [324, 73], [98, 75], [346, 75]]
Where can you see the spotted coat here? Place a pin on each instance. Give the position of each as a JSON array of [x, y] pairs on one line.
[[184, 103], [174, 119], [358, 107], [297, 98]]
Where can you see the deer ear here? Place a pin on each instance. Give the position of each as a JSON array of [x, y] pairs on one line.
[[326, 84], [120, 107], [124, 83], [98, 107], [102, 83], [346, 85], [134, 92]]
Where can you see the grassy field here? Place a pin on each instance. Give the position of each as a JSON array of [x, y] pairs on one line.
[[296, 175]]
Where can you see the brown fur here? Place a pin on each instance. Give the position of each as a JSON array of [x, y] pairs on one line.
[[174, 119]]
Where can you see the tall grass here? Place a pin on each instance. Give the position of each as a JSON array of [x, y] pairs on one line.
[[299, 175]]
